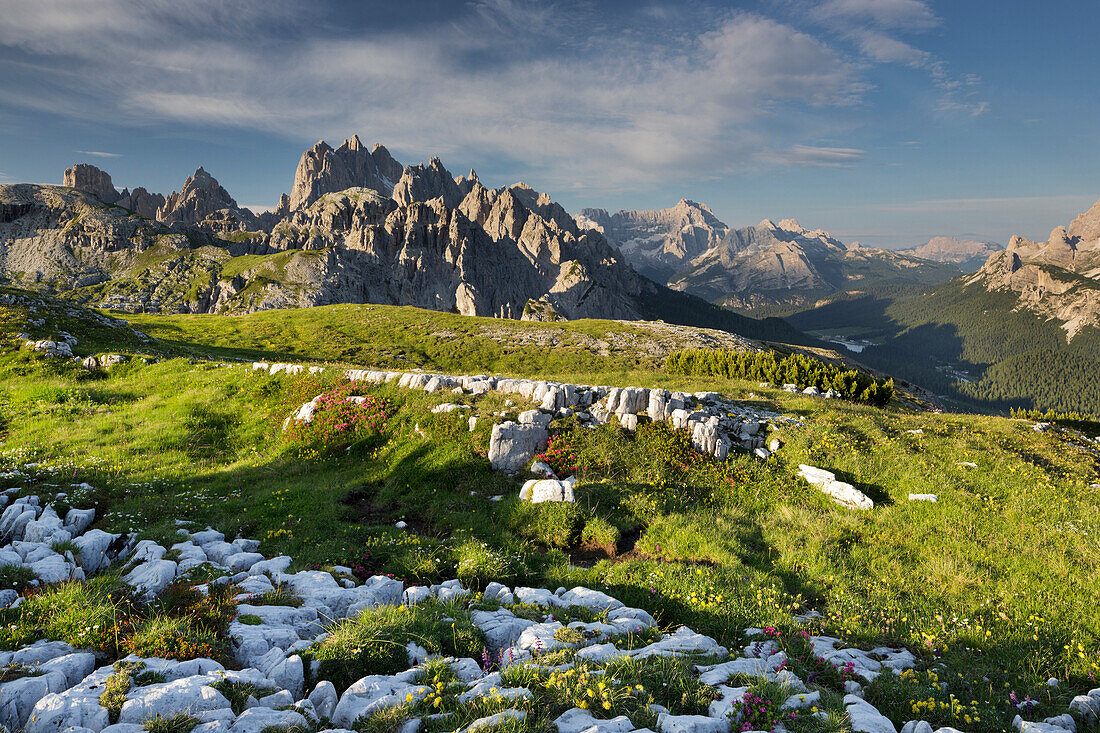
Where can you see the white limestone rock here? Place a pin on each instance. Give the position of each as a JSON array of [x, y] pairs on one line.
[[512, 446]]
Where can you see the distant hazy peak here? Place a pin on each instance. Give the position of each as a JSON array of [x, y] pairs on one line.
[[791, 225]]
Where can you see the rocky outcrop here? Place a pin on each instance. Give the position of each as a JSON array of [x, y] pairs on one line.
[[200, 197], [1056, 279], [88, 178], [485, 253], [421, 183], [141, 202], [967, 254], [323, 170], [65, 238], [1086, 227]]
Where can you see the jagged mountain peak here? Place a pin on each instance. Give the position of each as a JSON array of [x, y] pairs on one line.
[[201, 196], [323, 170], [422, 182]]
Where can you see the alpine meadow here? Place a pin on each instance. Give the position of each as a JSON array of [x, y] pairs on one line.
[[366, 446]]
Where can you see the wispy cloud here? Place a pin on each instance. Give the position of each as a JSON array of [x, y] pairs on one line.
[[912, 15], [874, 27], [808, 155], [98, 154]]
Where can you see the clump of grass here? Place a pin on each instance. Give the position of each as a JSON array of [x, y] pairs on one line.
[[174, 638], [15, 671], [61, 547], [551, 523], [567, 635], [600, 534], [238, 693], [374, 641], [669, 681], [386, 720], [179, 723], [250, 619], [117, 687], [280, 595], [86, 615], [16, 577], [149, 677]]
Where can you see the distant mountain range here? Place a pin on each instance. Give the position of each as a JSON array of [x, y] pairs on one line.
[[967, 254], [766, 268], [356, 227]]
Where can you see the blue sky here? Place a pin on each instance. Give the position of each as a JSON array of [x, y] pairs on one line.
[[886, 121]]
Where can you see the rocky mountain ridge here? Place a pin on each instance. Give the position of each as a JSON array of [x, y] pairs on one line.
[[659, 242], [769, 265], [787, 265], [1058, 278], [433, 240], [92, 180]]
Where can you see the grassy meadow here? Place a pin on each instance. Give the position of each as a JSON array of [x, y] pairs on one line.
[[995, 586]]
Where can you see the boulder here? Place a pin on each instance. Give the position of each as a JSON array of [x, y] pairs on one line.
[[538, 491], [512, 446], [193, 694], [152, 577]]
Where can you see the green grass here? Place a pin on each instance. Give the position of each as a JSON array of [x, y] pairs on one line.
[[374, 641], [996, 582], [179, 723], [238, 693]]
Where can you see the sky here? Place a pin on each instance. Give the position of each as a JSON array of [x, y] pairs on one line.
[[882, 121]]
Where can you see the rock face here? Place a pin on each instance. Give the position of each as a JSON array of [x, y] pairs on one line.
[[770, 264], [88, 178], [967, 254], [485, 253], [659, 243], [141, 202], [1058, 278], [420, 183], [200, 197], [324, 170]]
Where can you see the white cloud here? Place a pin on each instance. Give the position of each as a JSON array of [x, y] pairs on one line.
[[98, 153], [885, 49], [603, 107]]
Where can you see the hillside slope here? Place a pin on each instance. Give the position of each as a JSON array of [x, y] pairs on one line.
[[990, 590]]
